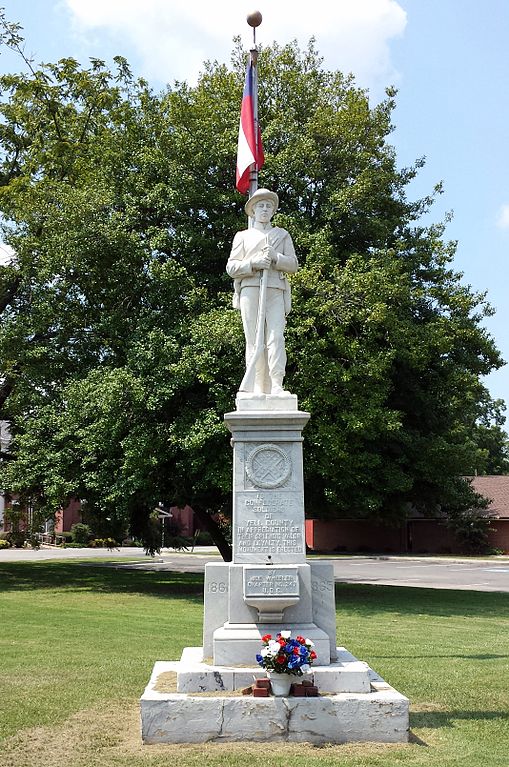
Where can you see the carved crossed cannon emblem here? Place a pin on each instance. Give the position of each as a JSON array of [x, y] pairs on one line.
[[268, 466]]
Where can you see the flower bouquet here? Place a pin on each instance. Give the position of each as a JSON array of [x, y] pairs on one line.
[[284, 655]]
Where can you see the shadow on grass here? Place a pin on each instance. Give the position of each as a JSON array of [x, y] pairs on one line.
[[72, 576], [437, 719], [367, 600], [481, 656]]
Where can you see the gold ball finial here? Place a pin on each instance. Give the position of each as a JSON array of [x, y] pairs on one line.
[[254, 19]]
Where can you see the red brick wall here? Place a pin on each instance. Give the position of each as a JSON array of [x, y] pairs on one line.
[[499, 535], [429, 536], [66, 518], [353, 535], [184, 517], [418, 536]]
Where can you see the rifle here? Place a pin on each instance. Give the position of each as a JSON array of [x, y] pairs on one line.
[[247, 383]]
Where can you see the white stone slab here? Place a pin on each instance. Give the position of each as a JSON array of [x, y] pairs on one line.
[[197, 674], [323, 598], [275, 582], [268, 501], [380, 716], [343, 677], [343, 718], [246, 401], [238, 644], [216, 600]]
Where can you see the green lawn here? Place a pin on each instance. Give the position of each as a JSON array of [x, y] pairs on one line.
[[77, 644]]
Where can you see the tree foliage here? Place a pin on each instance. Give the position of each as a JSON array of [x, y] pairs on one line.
[[119, 348]]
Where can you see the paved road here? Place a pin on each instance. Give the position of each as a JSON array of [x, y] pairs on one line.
[[476, 575], [487, 575], [438, 573]]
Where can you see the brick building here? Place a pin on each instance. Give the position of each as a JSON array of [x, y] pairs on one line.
[[417, 535]]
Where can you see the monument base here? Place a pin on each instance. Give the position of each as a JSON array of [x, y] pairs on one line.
[[354, 705], [231, 628], [238, 643]]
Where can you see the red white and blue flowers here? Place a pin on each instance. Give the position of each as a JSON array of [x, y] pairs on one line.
[[285, 655]]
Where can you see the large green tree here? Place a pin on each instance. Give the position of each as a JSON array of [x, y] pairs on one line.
[[119, 348]]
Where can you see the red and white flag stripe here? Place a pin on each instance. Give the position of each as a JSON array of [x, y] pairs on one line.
[[250, 149]]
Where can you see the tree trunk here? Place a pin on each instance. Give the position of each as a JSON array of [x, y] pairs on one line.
[[211, 526]]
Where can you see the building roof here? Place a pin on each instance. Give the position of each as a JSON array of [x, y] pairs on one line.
[[496, 488]]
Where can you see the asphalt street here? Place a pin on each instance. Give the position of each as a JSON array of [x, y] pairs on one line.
[[476, 575], [430, 572]]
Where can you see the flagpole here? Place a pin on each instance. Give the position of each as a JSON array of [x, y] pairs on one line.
[[254, 20], [247, 384]]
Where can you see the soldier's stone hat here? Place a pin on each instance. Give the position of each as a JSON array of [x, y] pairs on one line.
[[261, 194]]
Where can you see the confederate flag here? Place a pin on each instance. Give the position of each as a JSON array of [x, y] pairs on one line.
[[247, 152]]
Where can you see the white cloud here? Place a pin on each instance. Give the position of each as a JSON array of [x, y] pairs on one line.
[[6, 253], [173, 38], [503, 217]]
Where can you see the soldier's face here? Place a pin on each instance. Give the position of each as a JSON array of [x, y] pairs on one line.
[[263, 211]]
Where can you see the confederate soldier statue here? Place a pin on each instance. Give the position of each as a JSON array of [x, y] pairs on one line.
[[260, 259]]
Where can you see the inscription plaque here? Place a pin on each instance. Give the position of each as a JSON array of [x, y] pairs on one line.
[[267, 582], [269, 525]]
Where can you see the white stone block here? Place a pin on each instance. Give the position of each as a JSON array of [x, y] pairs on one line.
[[194, 681], [246, 401], [240, 612], [345, 717], [194, 656], [225, 603], [343, 677], [271, 590], [323, 597], [216, 601], [268, 493], [238, 644], [197, 675]]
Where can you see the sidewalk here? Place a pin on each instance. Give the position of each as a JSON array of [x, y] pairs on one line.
[[47, 553]]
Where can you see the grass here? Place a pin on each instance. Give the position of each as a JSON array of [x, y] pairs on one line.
[[77, 644]]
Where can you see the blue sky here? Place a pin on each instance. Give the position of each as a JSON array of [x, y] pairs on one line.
[[449, 60]]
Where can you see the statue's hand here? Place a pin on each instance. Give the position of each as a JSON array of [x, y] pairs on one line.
[[271, 253], [261, 261]]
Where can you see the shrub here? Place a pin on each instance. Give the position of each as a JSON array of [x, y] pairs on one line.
[[4, 543], [177, 542], [81, 533], [471, 528], [99, 543], [17, 538]]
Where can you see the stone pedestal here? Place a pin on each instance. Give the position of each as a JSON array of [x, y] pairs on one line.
[[231, 625], [268, 485], [268, 587]]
